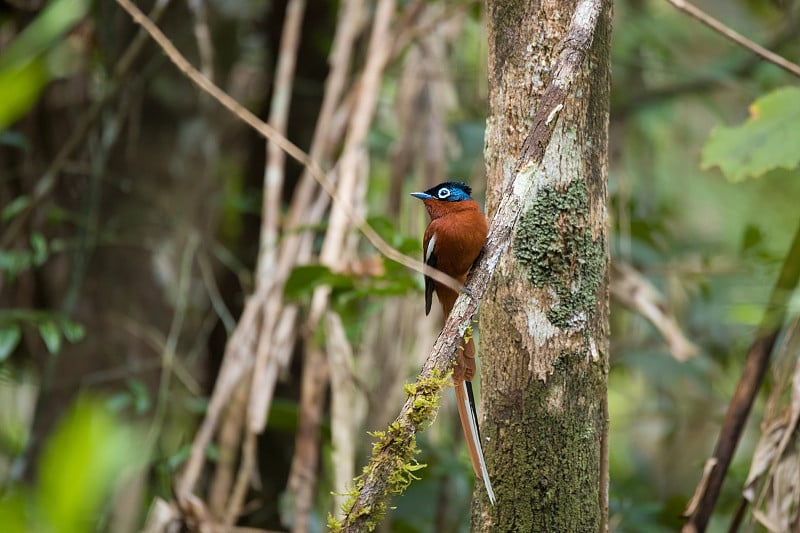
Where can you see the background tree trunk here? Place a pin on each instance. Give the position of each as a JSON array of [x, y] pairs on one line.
[[544, 320]]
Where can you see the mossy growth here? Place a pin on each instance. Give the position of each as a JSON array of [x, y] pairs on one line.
[[426, 392], [554, 242], [554, 448], [394, 452]]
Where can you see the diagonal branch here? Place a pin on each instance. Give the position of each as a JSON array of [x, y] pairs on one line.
[[239, 346], [285, 144], [709, 81], [736, 37], [702, 503], [392, 462]]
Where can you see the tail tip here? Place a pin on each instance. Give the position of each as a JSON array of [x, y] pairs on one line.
[[489, 491]]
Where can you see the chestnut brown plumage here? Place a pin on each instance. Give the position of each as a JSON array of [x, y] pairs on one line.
[[452, 242]]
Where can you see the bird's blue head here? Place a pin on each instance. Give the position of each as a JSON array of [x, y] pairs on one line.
[[450, 191]]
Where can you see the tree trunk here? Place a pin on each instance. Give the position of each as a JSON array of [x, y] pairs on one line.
[[544, 320]]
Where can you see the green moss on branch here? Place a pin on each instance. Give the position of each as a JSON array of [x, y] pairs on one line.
[[393, 457]]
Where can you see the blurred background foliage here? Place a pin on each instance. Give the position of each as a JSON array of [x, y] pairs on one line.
[[126, 279]]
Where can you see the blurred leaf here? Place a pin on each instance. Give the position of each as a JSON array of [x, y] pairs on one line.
[[13, 262], [12, 512], [15, 139], [141, 396], [283, 415], [80, 466], [119, 402], [751, 238], [20, 86], [39, 246], [48, 27], [9, 338], [383, 226], [12, 209], [196, 405], [305, 278], [179, 457], [13, 438], [73, 331], [388, 231], [768, 140], [50, 335], [212, 453], [23, 69], [746, 313], [137, 396]]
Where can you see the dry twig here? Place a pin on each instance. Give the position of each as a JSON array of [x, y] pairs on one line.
[[237, 363], [633, 290], [352, 170], [303, 473], [286, 145], [736, 37], [203, 37], [261, 391], [338, 246], [248, 335]]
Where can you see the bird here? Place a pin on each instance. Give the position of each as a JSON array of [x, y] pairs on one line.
[[453, 240]]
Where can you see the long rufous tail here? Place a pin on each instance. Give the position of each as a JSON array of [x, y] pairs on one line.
[[463, 372], [469, 423]]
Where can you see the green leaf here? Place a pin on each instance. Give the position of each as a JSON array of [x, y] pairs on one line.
[[13, 209], [769, 139], [23, 65], [283, 415], [13, 262], [140, 395], [196, 405], [383, 226], [46, 30], [305, 278], [50, 335], [212, 453], [175, 460], [12, 512], [9, 338], [81, 464], [751, 238], [387, 230], [20, 86], [119, 402], [39, 246], [73, 331], [13, 437]]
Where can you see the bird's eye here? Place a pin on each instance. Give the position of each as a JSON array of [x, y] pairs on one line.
[[444, 193]]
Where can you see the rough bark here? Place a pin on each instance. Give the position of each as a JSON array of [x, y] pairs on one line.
[[544, 320]]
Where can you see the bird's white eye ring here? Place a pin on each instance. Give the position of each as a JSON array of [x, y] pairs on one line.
[[443, 193]]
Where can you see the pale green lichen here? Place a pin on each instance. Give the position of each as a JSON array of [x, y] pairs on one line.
[[554, 242]]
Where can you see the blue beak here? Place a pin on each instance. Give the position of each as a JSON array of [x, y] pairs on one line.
[[421, 195]]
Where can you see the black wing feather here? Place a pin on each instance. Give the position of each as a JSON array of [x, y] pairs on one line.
[[429, 285]]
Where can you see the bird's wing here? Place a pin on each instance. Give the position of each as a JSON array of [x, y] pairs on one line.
[[469, 423], [429, 243]]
